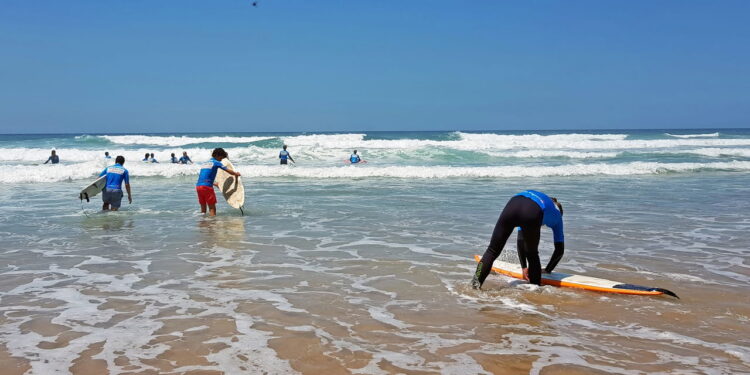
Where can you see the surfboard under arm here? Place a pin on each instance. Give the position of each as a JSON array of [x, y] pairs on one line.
[[579, 281]]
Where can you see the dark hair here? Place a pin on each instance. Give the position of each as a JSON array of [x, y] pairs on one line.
[[152, 154], [147, 155], [120, 159], [173, 154], [219, 152], [106, 152], [558, 204], [355, 151], [284, 147]]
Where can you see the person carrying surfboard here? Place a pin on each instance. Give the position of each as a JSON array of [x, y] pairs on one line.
[[527, 210], [283, 155], [112, 193], [205, 185]]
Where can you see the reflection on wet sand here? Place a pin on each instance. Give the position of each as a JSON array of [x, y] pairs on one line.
[[108, 221], [223, 231]]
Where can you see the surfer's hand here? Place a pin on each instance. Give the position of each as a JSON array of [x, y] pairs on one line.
[[526, 274], [130, 200], [237, 174]]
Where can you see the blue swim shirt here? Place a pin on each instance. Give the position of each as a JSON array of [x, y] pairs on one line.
[[208, 172], [552, 216], [116, 175]]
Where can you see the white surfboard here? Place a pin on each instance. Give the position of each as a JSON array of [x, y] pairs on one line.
[[231, 186], [578, 281], [93, 189]]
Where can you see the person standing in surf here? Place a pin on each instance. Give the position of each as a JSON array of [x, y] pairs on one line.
[[106, 155], [174, 159], [527, 210], [184, 159], [354, 158], [284, 155], [205, 185], [112, 193], [53, 158]]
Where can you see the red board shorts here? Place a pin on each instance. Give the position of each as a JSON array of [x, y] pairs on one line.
[[206, 195]]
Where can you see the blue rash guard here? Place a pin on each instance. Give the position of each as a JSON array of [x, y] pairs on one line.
[[185, 160], [116, 175], [174, 160], [552, 216], [208, 172], [284, 154], [354, 159]]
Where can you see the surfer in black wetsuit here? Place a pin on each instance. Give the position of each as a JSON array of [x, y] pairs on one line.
[[528, 211], [53, 158]]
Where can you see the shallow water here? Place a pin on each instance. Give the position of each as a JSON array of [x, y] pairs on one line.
[[370, 275]]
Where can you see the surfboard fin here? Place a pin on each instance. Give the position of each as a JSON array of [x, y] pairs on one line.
[[667, 292], [242, 212]]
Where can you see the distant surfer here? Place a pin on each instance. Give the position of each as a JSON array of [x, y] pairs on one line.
[[527, 210], [185, 159], [106, 155], [112, 193], [174, 159], [354, 158], [53, 158], [284, 155], [205, 185], [153, 159], [146, 159]]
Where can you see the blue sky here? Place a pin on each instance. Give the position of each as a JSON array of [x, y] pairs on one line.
[[303, 65]]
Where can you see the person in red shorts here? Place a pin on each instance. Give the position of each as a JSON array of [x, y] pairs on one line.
[[205, 185]]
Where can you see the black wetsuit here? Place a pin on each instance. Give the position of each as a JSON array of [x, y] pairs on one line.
[[521, 211]]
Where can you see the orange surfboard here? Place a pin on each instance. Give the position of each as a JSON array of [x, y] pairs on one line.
[[578, 281]]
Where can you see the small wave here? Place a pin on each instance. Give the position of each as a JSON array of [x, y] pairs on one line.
[[707, 135], [46, 173], [177, 140]]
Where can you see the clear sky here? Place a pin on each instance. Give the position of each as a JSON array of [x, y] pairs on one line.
[[322, 65]]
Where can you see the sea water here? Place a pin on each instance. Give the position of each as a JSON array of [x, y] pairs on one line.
[[365, 269]]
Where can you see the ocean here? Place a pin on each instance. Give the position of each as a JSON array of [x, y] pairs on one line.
[[338, 268]]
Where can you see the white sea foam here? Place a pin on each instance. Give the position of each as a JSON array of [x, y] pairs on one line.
[[84, 171], [706, 135], [175, 140]]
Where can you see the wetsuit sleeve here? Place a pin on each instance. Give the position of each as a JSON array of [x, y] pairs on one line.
[[556, 256], [557, 232], [126, 178], [521, 246], [103, 172]]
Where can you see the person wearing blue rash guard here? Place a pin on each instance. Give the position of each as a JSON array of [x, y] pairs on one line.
[[106, 155], [283, 155], [185, 159], [146, 159], [174, 159], [112, 193], [53, 158], [354, 158], [153, 159], [527, 210], [205, 185]]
